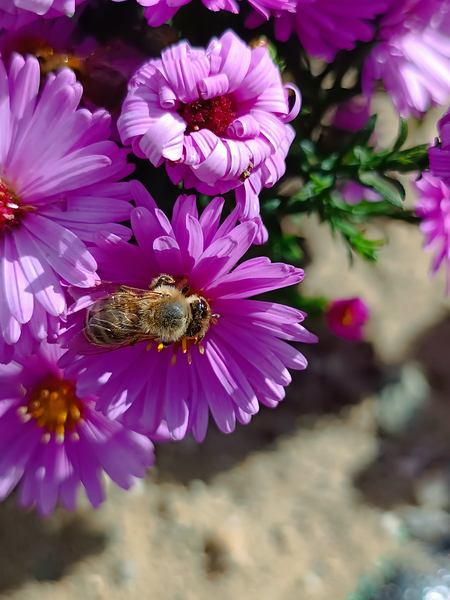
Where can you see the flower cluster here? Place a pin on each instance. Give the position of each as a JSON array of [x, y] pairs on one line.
[[218, 117], [120, 326]]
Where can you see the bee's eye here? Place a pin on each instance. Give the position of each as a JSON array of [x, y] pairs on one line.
[[202, 306]]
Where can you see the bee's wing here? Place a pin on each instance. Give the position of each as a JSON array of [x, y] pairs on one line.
[[123, 295], [80, 345], [102, 289]]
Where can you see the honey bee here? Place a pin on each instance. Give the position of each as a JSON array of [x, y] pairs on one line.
[[166, 313]]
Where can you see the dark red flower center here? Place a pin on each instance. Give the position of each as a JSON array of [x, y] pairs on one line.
[[54, 405], [214, 114], [11, 209], [8, 207]]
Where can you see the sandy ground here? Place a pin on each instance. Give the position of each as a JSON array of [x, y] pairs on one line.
[[294, 505]]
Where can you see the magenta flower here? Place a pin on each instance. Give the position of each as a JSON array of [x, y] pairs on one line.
[[104, 71], [158, 12], [16, 13], [413, 56], [326, 26], [58, 177], [40, 38], [241, 360], [217, 118], [51, 440], [440, 155], [433, 207], [346, 318]]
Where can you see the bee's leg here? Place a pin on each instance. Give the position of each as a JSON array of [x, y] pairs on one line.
[[185, 290], [162, 280]]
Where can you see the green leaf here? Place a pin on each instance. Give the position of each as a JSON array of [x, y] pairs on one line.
[[363, 155], [391, 190], [412, 159], [305, 193], [401, 136], [329, 163], [285, 248], [367, 249], [271, 206], [308, 148], [363, 135], [321, 181]]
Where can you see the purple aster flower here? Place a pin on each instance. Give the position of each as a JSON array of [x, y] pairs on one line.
[[158, 12], [326, 26], [413, 56], [104, 71], [51, 440], [346, 318], [40, 38], [433, 207], [217, 118], [15, 13], [239, 360], [58, 177]]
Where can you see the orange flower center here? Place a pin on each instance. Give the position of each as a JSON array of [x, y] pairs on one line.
[[49, 59], [347, 318], [55, 406]]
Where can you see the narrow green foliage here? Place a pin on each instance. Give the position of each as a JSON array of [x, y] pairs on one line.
[[367, 249], [402, 135], [285, 248], [272, 50], [325, 173], [390, 189]]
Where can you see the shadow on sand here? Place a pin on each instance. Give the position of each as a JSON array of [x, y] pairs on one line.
[[32, 548], [424, 446]]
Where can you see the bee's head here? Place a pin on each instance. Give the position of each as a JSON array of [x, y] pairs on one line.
[[200, 316]]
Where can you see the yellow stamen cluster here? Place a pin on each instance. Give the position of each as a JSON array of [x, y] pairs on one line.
[[49, 60], [55, 406], [185, 345]]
